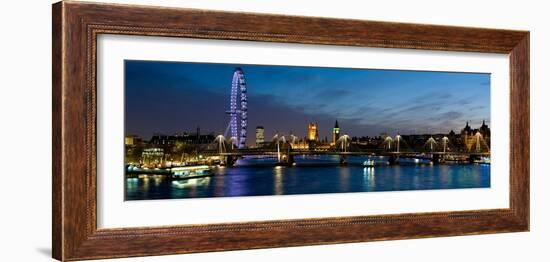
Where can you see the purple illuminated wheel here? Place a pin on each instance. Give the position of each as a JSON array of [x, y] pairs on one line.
[[238, 107]]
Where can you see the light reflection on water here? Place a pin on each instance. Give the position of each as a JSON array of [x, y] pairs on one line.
[[369, 179], [311, 175], [278, 189]]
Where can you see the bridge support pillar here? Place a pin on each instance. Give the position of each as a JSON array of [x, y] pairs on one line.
[[343, 161], [290, 160], [436, 159], [471, 158], [228, 161], [393, 160], [286, 160]]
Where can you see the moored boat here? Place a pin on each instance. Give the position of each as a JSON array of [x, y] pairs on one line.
[[483, 160], [188, 172], [368, 163]]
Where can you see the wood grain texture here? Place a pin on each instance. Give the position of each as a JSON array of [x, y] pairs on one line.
[[57, 195], [519, 129], [76, 26]]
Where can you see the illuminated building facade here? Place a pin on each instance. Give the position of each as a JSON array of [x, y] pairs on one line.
[[335, 133], [260, 137], [132, 140], [312, 132], [472, 137], [153, 156]]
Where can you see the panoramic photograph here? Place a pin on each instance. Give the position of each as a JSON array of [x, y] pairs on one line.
[[202, 130]]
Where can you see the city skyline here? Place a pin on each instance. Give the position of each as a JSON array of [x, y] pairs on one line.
[[170, 97]]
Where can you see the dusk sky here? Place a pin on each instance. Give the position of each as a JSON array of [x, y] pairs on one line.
[[170, 97]]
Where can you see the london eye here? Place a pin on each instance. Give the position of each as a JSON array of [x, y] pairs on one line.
[[238, 107]]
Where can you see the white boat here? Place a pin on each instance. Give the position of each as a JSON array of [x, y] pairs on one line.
[[186, 172], [368, 163], [483, 160]]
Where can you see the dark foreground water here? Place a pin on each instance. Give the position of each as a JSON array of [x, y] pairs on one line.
[[311, 175]]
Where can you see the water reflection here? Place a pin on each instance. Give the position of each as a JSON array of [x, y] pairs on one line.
[[344, 178], [369, 180], [278, 185], [188, 183], [311, 175]]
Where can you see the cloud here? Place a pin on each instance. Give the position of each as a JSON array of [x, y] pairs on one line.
[[168, 100], [331, 94], [451, 115], [477, 108], [154, 108]]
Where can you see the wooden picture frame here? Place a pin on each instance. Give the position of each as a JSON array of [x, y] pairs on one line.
[[76, 26]]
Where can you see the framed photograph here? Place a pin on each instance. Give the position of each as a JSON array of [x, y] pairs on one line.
[[195, 131]]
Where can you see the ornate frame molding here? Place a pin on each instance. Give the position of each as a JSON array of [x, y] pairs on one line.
[[76, 26]]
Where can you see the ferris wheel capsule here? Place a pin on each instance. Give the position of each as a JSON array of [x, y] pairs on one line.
[[238, 108]]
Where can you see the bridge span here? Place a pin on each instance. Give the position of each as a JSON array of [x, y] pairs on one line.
[[286, 157]]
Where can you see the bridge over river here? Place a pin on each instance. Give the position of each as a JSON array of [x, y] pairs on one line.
[[286, 157], [283, 150]]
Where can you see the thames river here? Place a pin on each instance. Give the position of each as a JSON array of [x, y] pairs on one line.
[[311, 175]]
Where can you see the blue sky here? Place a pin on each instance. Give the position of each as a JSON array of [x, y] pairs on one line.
[[170, 97]]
